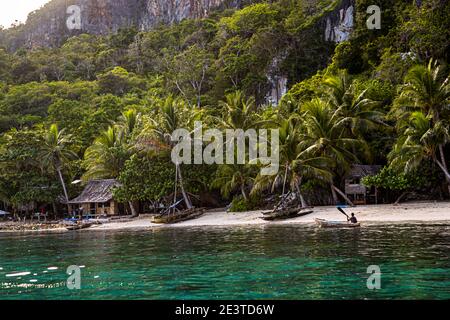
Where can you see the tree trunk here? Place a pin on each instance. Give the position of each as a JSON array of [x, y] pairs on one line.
[[397, 202], [335, 197], [444, 167], [61, 179], [284, 181], [185, 196], [441, 151], [133, 209], [244, 194], [446, 173], [342, 195], [63, 184], [55, 210], [302, 199]]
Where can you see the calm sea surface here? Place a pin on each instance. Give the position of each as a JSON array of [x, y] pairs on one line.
[[265, 262]]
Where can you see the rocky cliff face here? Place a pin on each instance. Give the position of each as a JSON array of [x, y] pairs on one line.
[[60, 19], [335, 26]]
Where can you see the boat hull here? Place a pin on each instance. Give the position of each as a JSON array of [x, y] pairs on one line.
[[178, 217], [336, 224], [79, 226], [286, 214]]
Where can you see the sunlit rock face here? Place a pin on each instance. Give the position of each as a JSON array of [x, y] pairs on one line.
[[339, 25], [170, 11], [278, 83], [48, 26]]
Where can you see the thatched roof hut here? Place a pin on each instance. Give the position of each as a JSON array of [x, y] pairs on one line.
[[97, 191], [97, 197]]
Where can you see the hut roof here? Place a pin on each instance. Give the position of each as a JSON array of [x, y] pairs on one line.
[[97, 191], [359, 170]]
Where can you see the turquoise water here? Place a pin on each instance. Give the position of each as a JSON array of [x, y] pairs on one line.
[[266, 262]]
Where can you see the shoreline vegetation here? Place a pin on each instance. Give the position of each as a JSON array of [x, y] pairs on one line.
[[406, 213]]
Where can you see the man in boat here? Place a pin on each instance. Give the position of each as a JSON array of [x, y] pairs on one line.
[[353, 219]]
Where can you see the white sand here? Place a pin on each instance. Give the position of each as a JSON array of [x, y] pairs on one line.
[[417, 212]]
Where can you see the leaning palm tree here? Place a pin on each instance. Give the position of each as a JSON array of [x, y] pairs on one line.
[[55, 153], [427, 90], [420, 140], [326, 136], [295, 163]]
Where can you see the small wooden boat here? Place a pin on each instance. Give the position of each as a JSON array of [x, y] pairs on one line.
[[336, 224], [170, 218], [79, 226], [285, 214]]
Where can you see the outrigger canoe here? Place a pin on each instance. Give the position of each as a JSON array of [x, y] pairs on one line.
[[336, 224], [285, 214], [79, 226], [170, 218]]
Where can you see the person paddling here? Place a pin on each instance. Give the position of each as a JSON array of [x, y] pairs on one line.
[[353, 219]]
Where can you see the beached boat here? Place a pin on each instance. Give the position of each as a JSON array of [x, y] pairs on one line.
[[169, 218], [79, 226], [336, 224], [285, 214]]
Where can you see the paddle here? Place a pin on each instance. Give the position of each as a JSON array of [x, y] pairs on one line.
[[342, 210]]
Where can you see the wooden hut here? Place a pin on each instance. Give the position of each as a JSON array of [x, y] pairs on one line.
[[355, 190], [97, 199]]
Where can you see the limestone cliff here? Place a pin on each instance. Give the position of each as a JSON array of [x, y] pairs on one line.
[[60, 19]]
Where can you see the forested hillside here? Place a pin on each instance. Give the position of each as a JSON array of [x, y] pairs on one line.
[[101, 106]]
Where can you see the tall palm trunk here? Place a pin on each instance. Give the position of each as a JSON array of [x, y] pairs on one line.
[[63, 184], [333, 193], [342, 195], [185, 196], [444, 169]]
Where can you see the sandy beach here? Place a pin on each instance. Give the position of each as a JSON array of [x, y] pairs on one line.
[[417, 212], [414, 212]]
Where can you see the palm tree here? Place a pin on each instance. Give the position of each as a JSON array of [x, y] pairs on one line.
[[108, 154], [420, 140], [158, 133], [234, 177], [238, 112], [112, 148], [326, 136], [427, 90], [128, 122], [295, 163], [357, 112], [55, 153]]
